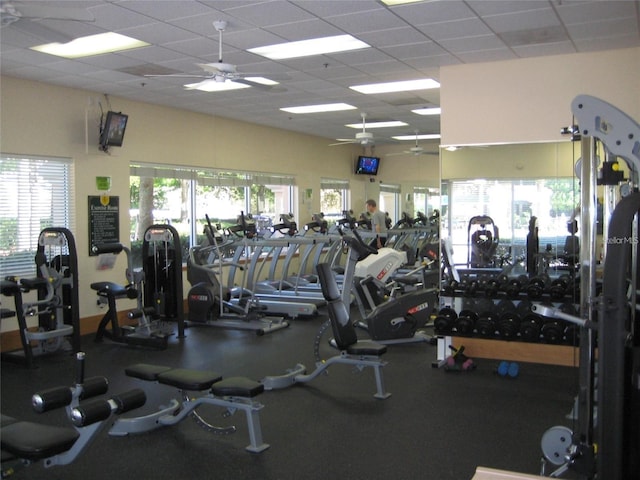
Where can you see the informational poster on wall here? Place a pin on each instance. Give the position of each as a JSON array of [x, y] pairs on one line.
[[104, 218]]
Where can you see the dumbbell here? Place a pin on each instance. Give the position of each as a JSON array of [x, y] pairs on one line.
[[559, 287], [530, 328], [444, 321], [508, 325], [450, 288], [535, 288], [514, 286], [492, 287], [504, 306], [465, 323], [553, 331], [486, 323], [471, 288]]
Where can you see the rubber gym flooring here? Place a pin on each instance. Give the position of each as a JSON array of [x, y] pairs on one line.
[[436, 425]]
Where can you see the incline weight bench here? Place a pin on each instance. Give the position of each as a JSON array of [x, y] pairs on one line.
[[24, 443], [360, 353], [234, 393]]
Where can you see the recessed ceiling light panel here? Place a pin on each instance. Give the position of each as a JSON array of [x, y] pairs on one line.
[[402, 86], [328, 107], [392, 123], [428, 111], [306, 48], [91, 45]]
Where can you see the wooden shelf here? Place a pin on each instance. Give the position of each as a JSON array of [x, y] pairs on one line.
[[564, 355]]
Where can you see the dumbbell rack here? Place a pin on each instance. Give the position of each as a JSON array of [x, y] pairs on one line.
[[491, 315]]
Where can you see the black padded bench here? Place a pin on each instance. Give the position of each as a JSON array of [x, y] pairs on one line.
[[34, 441], [230, 393]]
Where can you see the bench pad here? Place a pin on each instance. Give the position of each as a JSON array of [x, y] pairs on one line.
[[185, 379], [146, 371], [34, 441], [366, 347], [237, 387]]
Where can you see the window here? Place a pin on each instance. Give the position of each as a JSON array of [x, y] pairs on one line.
[[389, 201], [510, 204], [334, 199], [35, 193], [425, 201], [183, 196]]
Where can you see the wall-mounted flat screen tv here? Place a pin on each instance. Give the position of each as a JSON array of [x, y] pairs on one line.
[[112, 131], [367, 165]]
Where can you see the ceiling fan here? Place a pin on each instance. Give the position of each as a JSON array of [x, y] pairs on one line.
[[415, 150], [21, 15], [220, 71], [363, 138]]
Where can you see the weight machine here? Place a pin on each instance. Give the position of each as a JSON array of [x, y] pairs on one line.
[[606, 443], [57, 305]]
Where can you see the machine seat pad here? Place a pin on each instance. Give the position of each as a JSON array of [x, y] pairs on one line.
[[146, 371], [366, 347], [237, 387], [34, 441], [185, 379], [109, 288], [6, 313]]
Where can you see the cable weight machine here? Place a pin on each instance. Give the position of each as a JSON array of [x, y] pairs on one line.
[[162, 266], [606, 440]]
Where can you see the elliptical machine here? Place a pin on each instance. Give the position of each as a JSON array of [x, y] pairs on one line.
[[210, 303]]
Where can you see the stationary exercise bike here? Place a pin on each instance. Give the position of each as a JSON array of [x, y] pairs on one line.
[[399, 318]]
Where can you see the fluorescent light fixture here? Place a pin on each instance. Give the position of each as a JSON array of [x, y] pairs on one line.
[[306, 48], [328, 107], [213, 86], [402, 86], [392, 123], [429, 136], [428, 111], [92, 45]]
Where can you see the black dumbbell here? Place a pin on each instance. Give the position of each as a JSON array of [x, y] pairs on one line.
[[492, 287], [535, 288], [508, 325], [530, 328], [559, 287], [444, 321], [513, 287], [471, 288], [486, 323], [465, 323], [553, 331]]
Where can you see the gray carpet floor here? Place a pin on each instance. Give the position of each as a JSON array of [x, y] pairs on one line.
[[436, 425]]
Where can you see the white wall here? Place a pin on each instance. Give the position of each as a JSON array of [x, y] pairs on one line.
[[529, 100]]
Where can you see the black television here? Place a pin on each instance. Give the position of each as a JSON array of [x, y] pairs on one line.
[[112, 130], [367, 165]]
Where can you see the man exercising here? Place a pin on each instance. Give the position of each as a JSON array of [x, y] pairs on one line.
[[378, 223]]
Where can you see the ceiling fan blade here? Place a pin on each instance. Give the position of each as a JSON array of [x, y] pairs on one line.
[[42, 11], [261, 86], [342, 141], [177, 75]]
